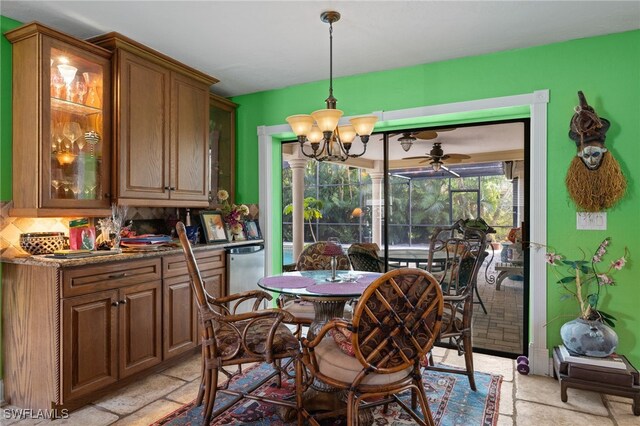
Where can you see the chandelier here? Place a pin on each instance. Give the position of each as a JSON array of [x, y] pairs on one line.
[[328, 140]]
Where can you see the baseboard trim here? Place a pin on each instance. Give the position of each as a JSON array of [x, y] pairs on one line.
[[539, 361]]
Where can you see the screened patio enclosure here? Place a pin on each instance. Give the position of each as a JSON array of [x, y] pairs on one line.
[[396, 198]]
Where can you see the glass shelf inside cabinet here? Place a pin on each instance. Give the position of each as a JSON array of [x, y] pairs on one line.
[[77, 126], [63, 105]]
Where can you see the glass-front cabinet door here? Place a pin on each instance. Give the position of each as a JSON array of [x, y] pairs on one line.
[[78, 136], [61, 124], [222, 141]]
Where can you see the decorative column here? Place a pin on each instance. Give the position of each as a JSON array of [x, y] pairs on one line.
[[377, 202], [297, 193]]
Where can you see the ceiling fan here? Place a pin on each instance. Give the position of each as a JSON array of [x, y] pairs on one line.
[[436, 157], [408, 138]]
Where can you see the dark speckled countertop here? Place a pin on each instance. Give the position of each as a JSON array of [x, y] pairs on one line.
[[43, 260]]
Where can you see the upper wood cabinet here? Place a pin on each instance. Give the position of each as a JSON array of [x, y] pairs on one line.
[[222, 140], [161, 131], [61, 124]]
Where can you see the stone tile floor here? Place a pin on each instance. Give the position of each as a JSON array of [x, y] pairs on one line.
[[501, 328], [524, 400]]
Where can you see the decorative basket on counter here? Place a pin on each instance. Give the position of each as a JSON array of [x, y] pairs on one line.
[[42, 242]]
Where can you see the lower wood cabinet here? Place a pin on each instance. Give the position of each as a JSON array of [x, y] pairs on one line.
[[73, 333], [90, 343], [110, 335], [140, 322], [180, 329]]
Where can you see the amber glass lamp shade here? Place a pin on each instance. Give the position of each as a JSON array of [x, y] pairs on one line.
[[364, 125], [315, 134], [327, 119], [347, 133], [300, 124]]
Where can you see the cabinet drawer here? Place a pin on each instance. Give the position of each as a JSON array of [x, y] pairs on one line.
[[176, 265], [89, 279]]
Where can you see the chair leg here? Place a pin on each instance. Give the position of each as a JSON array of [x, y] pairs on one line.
[[212, 378], [414, 399], [352, 410], [424, 405], [468, 360], [475, 287], [298, 381], [278, 365], [202, 386]]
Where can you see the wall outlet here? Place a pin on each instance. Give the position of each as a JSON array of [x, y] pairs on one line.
[[591, 221]]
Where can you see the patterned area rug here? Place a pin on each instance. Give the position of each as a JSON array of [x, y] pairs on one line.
[[451, 401]]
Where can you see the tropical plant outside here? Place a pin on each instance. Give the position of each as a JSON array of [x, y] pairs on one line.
[[416, 205]]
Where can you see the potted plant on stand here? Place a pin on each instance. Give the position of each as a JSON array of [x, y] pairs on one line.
[[591, 333]]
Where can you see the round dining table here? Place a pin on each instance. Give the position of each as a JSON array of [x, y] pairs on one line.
[[328, 298]]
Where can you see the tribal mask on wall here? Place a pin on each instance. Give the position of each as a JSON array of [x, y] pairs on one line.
[[594, 179]]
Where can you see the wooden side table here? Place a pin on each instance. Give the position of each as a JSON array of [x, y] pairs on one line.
[[625, 383]]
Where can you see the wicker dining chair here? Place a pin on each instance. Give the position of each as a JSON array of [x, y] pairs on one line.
[[235, 339], [364, 257], [312, 258], [395, 324], [455, 256]]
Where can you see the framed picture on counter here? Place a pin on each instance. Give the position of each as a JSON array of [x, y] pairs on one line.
[[252, 228], [213, 226]]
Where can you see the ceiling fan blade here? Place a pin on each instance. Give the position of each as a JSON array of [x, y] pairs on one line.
[[426, 135], [457, 156], [428, 157], [449, 170], [424, 161]]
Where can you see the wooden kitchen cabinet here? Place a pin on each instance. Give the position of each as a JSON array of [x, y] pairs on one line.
[[61, 124], [90, 345], [222, 143], [112, 334], [140, 322], [73, 333], [162, 129], [180, 329]]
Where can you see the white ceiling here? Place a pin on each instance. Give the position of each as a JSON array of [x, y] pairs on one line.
[[252, 46]]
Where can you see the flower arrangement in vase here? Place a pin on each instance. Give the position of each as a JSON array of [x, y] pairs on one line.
[[590, 333], [233, 214]]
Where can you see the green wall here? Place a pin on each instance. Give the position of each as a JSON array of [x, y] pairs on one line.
[[606, 68], [6, 24]]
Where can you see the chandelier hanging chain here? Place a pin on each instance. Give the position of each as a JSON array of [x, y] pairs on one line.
[[322, 125]]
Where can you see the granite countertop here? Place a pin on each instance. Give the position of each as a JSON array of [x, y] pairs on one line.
[[43, 260]]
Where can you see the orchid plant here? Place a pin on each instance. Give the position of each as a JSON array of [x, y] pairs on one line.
[[581, 274], [232, 214]]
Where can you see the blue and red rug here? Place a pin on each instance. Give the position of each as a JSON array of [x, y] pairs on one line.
[[451, 400]]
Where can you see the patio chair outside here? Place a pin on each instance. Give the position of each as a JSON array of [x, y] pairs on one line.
[[455, 256]]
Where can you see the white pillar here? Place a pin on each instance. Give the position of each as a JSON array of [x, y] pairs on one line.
[[297, 193], [377, 202]]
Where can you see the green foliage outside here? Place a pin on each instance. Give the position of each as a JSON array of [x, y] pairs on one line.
[[312, 211], [416, 205]]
